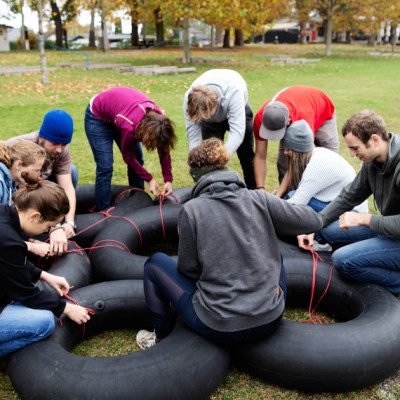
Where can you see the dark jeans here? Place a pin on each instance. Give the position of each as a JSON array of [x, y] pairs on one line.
[[166, 289], [101, 136], [245, 151]]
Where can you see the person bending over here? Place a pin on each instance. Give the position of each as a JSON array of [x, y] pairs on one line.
[[129, 118], [217, 102], [229, 283], [275, 116]]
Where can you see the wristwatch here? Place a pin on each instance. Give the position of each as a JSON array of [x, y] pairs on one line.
[[72, 223]]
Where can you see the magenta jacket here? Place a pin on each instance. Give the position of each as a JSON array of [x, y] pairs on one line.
[[125, 108]]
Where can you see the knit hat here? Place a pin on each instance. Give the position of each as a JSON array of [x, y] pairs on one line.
[[299, 137], [57, 127], [275, 119]]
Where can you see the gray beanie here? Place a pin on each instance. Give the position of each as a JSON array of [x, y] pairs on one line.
[[299, 137]]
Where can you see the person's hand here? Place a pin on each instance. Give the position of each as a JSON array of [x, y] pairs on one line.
[[167, 189], [58, 283], [69, 230], [154, 187], [58, 242], [39, 248], [275, 192], [76, 313], [305, 241], [352, 219]]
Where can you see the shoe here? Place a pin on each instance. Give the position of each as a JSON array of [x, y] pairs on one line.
[[322, 247], [146, 339]]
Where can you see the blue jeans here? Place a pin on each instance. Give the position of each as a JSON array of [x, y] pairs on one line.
[[369, 257], [101, 137], [164, 285], [20, 326], [316, 205]]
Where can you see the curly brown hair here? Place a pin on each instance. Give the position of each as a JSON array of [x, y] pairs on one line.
[[210, 153], [363, 124], [202, 103], [44, 196], [156, 131]]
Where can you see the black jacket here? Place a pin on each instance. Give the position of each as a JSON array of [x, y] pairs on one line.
[[16, 273]]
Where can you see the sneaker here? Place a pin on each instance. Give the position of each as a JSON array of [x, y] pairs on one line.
[[322, 247], [146, 339]]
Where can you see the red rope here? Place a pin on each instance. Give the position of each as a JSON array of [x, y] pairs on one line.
[[313, 318], [89, 310]]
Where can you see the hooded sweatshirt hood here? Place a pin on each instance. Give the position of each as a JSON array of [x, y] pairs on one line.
[[218, 184]]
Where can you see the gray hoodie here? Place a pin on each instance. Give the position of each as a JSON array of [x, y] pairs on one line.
[[228, 244], [381, 180]]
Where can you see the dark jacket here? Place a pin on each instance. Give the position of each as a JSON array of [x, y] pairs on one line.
[[16, 273], [381, 180], [229, 246]]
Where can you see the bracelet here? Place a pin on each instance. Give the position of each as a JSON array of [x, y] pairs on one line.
[[261, 187], [72, 223], [54, 228]]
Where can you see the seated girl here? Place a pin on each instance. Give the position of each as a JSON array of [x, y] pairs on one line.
[[316, 175], [26, 312], [229, 284]]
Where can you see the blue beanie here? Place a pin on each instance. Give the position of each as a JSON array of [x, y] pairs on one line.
[[57, 127], [299, 137]]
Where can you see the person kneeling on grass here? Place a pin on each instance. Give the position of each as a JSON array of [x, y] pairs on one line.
[[26, 312], [229, 284]]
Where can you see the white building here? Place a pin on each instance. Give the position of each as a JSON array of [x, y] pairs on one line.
[[4, 41]]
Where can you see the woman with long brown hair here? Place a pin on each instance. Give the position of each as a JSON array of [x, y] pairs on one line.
[[129, 118], [26, 312], [316, 175]]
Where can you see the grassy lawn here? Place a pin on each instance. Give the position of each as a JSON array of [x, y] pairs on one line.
[[352, 78]]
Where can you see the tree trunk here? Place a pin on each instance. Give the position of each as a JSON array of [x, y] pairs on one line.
[[65, 35], [144, 31], [303, 32], [43, 67], [159, 22], [218, 34], [212, 36], [92, 34], [186, 42], [134, 24], [23, 42], [393, 38], [239, 39], [57, 22], [371, 40], [104, 36], [328, 30], [226, 39]]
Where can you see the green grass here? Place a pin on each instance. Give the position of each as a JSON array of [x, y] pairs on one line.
[[352, 78]]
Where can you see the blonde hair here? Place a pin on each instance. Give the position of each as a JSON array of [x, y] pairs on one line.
[[297, 163], [202, 102], [210, 153], [41, 195], [25, 151]]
